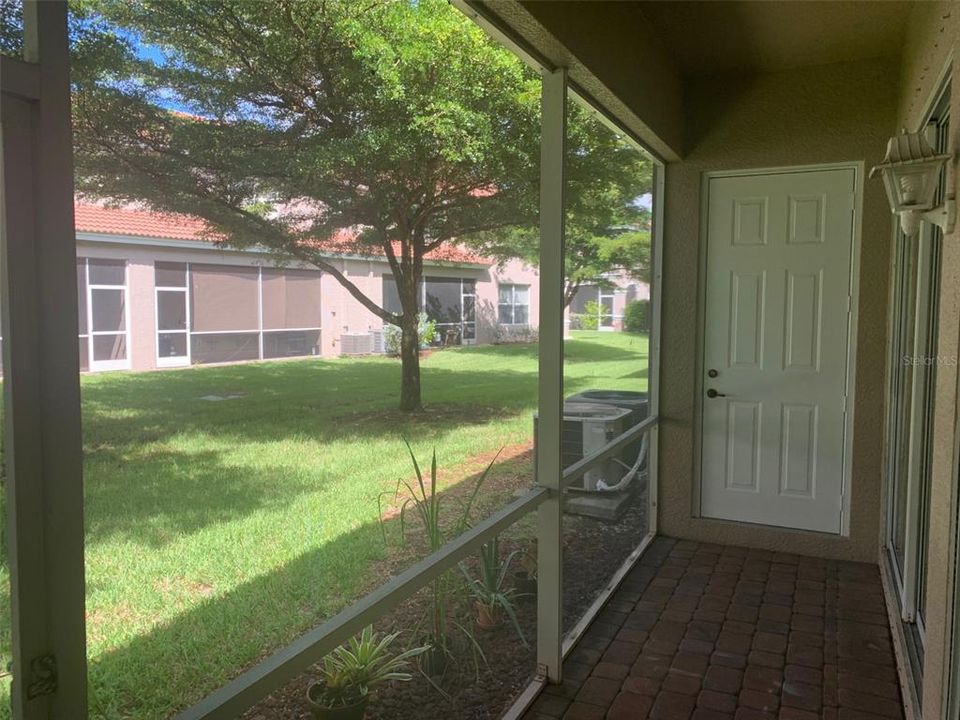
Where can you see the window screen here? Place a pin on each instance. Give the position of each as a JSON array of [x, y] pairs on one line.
[[227, 347], [169, 274], [109, 347], [223, 298], [443, 300], [108, 272], [585, 294], [291, 299], [171, 310], [291, 343], [391, 296], [108, 309]]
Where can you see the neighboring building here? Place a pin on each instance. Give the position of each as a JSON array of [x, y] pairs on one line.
[[611, 298], [153, 292]]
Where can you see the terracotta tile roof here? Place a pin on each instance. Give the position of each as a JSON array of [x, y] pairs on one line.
[[137, 222]]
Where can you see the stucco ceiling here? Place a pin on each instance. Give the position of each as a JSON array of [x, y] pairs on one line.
[[711, 38]]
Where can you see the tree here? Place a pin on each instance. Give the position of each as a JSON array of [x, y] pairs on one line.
[[283, 124], [607, 230], [301, 118]]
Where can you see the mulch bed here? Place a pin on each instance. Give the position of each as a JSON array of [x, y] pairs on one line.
[[593, 550]]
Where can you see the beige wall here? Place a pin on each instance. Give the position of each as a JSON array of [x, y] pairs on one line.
[[933, 36], [827, 114]]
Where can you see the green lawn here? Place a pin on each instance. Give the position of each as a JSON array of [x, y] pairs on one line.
[[219, 530]]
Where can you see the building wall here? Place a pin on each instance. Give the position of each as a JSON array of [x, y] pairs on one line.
[[827, 114], [932, 38], [341, 312]]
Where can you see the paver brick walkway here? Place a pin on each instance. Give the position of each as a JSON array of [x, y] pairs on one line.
[[713, 632]]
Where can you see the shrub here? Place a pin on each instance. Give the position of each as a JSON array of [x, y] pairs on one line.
[[514, 334], [426, 330], [592, 311], [636, 316]]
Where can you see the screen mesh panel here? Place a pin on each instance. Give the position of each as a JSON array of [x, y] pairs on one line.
[[296, 343], [109, 347], [223, 298], [172, 344], [170, 274], [391, 296], [108, 310], [291, 299], [107, 272], [229, 347], [171, 310], [443, 300]]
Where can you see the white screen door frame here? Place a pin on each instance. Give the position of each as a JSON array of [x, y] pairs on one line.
[[854, 288]]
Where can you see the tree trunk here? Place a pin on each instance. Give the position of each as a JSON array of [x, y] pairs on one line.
[[410, 362], [408, 287]]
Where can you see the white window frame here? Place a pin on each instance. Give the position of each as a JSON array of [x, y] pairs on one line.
[[106, 365], [601, 294], [513, 304], [172, 360]]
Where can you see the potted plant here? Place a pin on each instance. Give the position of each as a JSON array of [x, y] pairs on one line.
[[352, 671], [491, 596]]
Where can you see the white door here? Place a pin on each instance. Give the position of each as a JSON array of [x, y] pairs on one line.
[[775, 348]]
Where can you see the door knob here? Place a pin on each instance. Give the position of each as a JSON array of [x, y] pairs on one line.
[[712, 373], [711, 393]]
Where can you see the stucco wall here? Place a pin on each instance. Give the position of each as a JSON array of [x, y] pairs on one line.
[[827, 114], [933, 35]]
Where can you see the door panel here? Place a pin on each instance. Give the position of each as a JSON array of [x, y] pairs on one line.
[[775, 348]]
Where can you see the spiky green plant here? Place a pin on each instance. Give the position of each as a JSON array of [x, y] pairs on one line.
[[489, 588], [427, 505], [361, 664]]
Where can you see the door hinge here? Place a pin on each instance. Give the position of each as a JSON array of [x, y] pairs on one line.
[[43, 676]]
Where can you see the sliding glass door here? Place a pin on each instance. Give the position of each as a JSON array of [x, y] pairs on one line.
[[912, 382]]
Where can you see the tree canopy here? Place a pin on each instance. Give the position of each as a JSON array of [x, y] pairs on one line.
[[283, 124], [607, 227]]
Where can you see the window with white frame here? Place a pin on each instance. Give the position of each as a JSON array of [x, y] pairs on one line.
[[173, 341], [102, 311], [513, 305]]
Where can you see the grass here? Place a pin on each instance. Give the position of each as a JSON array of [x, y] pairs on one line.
[[218, 530]]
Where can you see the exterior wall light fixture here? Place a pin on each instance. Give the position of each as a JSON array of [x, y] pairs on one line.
[[911, 171]]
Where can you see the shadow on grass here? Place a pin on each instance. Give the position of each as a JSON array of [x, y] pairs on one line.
[[177, 493], [575, 351], [178, 663], [268, 403]]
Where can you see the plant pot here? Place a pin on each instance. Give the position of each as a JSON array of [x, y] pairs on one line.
[[487, 616], [357, 711]]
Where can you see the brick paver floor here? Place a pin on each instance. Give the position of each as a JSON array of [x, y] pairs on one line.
[[712, 632]]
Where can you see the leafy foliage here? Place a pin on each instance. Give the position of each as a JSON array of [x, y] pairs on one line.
[[636, 316], [607, 230], [354, 669], [398, 121], [426, 332], [593, 313]]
